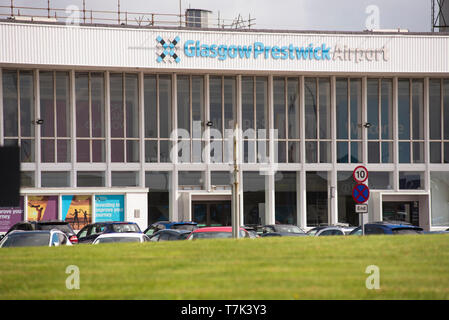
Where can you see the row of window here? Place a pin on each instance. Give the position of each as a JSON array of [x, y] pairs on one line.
[[107, 118]]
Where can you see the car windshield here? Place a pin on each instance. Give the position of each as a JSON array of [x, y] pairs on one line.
[[188, 227], [118, 239], [312, 232], [288, 229], [125, 228], [27, 240], [62, 227], [406, 231]]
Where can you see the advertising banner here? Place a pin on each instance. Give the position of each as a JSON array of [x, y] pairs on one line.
[[10, 216], [77, 210], [109, 208], [42, 208]]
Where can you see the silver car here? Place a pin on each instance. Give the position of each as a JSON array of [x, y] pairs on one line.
[[38, 238]]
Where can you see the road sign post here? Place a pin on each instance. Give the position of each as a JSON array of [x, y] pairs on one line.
[[360, 193]]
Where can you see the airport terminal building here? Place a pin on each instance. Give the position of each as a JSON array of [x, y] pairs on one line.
[[136, 123]]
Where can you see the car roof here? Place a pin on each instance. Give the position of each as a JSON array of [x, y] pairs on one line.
[[121, 235], [389, 225], [173, 231], [174, 223], [215, 229], [18, 232]]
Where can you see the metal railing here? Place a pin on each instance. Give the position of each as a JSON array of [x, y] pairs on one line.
[[72, 14]]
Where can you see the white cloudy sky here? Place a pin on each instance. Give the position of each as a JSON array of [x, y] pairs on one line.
[[347, 15]]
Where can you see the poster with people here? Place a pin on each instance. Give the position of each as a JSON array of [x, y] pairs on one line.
[[42, 208], [77, 210], [9, 216]]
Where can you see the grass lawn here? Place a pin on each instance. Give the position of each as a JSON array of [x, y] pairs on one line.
[[411, 267]]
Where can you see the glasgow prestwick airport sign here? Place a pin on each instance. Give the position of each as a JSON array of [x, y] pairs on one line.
[[258, 50]]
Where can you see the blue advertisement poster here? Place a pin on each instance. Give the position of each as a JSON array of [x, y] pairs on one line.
[[109, 208]]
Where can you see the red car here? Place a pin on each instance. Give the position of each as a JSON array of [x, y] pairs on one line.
[[215, 233]]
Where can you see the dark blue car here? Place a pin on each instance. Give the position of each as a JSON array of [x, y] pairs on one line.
[[386, 227], [163, 225], [90, 232]]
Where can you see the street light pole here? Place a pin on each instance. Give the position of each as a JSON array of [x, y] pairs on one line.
[[235, 188]]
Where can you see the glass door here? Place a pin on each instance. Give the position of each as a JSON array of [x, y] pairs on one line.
[[401, 212], [211, 213]]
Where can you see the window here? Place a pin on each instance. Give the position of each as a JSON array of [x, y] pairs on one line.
[[380, 117], [124, 117], [317, 120], [285, 197], [55, 113], [286, 119], [411, 120], [190, 91], [191, 179], [255, 119], [439, 120], [253, 198], [157, 114], [90, 117], [346, 203], [317, 197], [380, 180], [222, 92], [18, 112], [55, 179], [27, 179], [124, 178], [90, 179], [349, 120], [158, 183], [439, 191], [411, 180]]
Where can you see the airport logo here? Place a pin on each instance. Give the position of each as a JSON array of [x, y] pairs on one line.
[[167, 50]]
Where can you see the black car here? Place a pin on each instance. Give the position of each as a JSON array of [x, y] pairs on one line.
[[282, 230], [388, 227], [90, 232], [172, 225], [46, 225], [170, 234]]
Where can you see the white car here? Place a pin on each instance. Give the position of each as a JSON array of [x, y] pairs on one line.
[[46, 238], [121, 237]]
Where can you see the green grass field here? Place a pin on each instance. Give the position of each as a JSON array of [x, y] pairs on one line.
[[411, 267]]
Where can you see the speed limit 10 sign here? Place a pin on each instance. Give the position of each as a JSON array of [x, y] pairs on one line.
[[360, 174]]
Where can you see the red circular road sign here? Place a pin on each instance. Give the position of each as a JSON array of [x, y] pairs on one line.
[[360, 193], [360, 174]]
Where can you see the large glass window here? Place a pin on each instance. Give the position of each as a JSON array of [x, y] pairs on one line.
[[380, 118], [317, 198], [157, 114], [349, 120], [55, 113], [317, 120], [18, 112], [190, 97], [411, 120], [409, 180], [124, 117], [346, 204], [124, 178], [439, 191], [286, 119], [222, 91], [253, 198], [90, 117], [439, 120], [255, 119], [285, 197], [158, 183], [55, 179]]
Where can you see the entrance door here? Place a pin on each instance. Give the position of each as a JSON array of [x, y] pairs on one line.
[[404, 211], [211, 213]]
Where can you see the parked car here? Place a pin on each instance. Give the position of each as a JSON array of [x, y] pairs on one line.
[[252, 231], [46, 225], [170, 234], [387, 227], [326, 231], [90, 232], [121, 237], [215, 233], [46, 238], [283, 230], [162, 225]]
